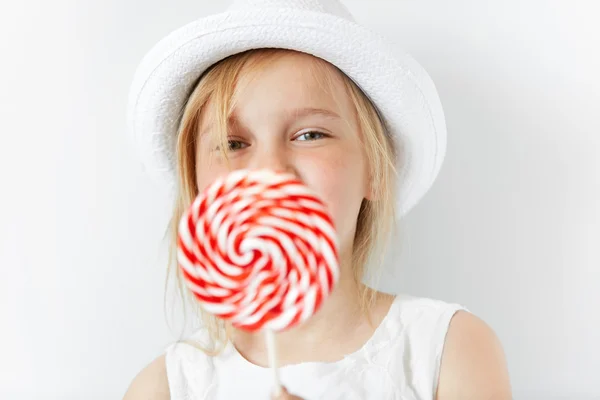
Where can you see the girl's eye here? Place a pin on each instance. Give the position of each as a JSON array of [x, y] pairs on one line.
[[235, 145], [310, 136]]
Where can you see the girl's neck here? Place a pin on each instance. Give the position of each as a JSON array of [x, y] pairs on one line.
[[339, 328]]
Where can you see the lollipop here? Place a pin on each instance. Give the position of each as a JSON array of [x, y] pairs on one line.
[[258, 248]]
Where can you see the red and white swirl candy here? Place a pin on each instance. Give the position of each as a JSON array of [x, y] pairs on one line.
[[259, 248]]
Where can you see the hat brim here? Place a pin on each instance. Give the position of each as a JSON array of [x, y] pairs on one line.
[[398, 86]]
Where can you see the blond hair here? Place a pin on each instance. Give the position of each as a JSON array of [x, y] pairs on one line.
[[218, 84]]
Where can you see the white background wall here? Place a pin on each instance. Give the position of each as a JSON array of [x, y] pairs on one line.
[[511, 229]]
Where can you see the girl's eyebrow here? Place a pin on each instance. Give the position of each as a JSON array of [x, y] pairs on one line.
[[308, 111], [296, 113]]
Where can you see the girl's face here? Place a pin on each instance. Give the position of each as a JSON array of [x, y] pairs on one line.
[[285, 120]]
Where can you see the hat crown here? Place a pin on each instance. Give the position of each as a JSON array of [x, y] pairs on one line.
[[333, 7]]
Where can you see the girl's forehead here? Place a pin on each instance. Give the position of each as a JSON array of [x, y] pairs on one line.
[[291, 75], [281, 86]]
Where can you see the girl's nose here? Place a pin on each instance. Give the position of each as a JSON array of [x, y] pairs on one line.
[[275, 159]]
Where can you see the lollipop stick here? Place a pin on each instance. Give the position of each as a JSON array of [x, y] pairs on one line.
[[272, 352]]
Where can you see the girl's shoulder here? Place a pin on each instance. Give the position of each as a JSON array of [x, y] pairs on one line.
[[424, 343], [151, 383], [421, 314], [189, 366], [408, 344], [416, 319]]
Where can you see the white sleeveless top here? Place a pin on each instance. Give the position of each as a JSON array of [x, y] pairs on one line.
[[401, 361]]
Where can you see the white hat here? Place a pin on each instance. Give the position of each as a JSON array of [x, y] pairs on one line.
[[399, 87]]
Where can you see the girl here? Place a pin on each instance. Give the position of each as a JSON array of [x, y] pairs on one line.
[[298, 86]]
